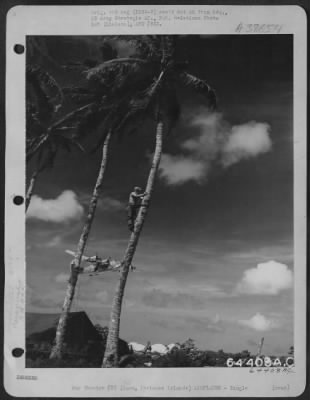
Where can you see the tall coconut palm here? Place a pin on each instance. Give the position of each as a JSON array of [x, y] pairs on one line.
[[163, 72], [75, 264], [111, 351], [109, 102], [47, 127]]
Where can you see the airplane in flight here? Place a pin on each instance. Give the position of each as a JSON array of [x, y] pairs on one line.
[[98, 264]]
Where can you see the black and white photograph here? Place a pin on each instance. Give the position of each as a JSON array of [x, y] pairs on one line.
[[160, 184], [189, 138]]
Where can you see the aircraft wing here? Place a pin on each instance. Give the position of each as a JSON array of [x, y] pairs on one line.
[[84, 258], [70, 252]]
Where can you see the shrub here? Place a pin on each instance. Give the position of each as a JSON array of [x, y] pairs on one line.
[[177, 358]]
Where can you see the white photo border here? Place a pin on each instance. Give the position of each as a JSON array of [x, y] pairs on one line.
[[76, 20]]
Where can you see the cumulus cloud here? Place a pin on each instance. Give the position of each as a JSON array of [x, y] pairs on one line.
[[259, 323], [64, 208], [246, 141], [211, 132], [176, 170], [213, 142], [267, 278]]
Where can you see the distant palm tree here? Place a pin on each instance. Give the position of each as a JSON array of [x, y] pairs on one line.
[[156, 68]]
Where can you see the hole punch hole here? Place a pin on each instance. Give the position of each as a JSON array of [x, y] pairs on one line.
[[19, 48], [17, 352], [18, 200]]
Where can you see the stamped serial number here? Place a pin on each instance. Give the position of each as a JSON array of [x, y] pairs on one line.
[[27, 377], [258, 28], [261, 362]]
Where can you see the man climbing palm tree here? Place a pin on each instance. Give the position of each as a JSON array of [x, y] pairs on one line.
[[135, 199]]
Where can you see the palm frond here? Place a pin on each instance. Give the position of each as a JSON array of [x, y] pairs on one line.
[[67, 142], [77, 144], [137, 107], [168, 44], [112, 65], [47, 150], [132, 114], [45, 81], [111, 121], [110, 85], [131, 122], [200, 86], [107, 53], [80, 95], [89, 122], [80, 65], [35, 145], [34, 126], [153, 90], [38, 94], [77, 113]]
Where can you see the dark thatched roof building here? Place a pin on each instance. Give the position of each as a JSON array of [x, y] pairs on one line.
[[42, 328], [80, 335]]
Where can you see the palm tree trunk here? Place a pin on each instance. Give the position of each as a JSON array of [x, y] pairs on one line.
[[111, 352], [75, 264], [31, 187]]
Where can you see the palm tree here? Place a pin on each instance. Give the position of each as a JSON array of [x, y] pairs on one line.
[[45, 158], [160, 72], [104, 114], [75, 264], [111, 351], [45, 131], [40, 109]]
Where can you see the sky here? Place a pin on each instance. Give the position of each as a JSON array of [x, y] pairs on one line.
[[215, 259]]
